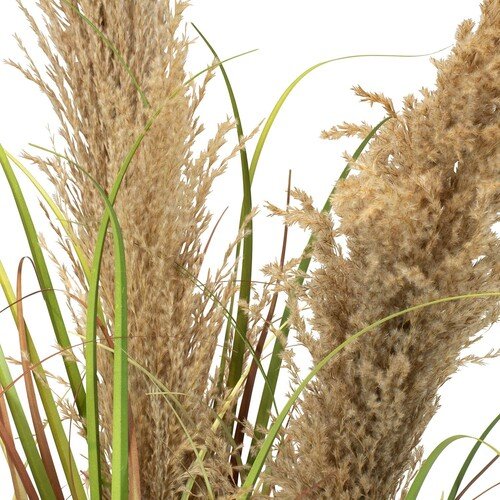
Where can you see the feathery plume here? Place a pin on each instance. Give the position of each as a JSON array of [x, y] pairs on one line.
[[103, 97], [418, 219]]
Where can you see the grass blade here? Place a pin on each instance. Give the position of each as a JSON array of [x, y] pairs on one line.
[[264, 450], [24, 432], [419, 479], [249, 386], [43, 444], [470, 457], [238, 349], [279, 104], [119, 481], [120, 405], [273, 371], [45, 283], [173, 402], [57, 213]]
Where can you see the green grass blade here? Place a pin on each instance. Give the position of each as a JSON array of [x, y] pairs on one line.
[[274, 368], [238, 350], [23, 486], [45, 283], [428, 463], [91, 353], [66, 225], [53, 418], [266, 446], [470, 457], [279, 104], [177, 408], [119, 481]]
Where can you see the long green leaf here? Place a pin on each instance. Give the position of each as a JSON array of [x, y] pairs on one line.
[[279, 104], [238, 350], [91, 354], [24, 432], [470, 457], [53, 418], [268, 393], [267, 444], [45, 283], [119, 481], [57, 213], [428, 463]]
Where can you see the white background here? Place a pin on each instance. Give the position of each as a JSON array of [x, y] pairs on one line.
[[290, 36]]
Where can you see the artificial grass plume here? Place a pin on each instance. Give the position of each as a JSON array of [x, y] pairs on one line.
[[358, 427], [161, 206]]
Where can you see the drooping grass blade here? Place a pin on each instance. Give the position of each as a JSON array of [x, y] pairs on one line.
[[271, 435], [238, 348]]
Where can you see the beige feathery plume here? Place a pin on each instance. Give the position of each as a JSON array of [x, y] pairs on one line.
[[418, 220], [173, 325]]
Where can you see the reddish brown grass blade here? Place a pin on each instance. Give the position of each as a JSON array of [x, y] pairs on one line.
[[250, 382], [477, 476], [213, 231], [43, 445]]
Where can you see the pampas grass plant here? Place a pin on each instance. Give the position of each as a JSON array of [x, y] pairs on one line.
[[161, 360]]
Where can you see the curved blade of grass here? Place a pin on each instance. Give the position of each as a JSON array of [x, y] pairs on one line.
[[470, 457], [36, 418], [53, 418], [45, 282], [279, 104], [238, 349], [119, 467], [119, 362], [57, 213], [428, 463], [274, 368], [266, 446]]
